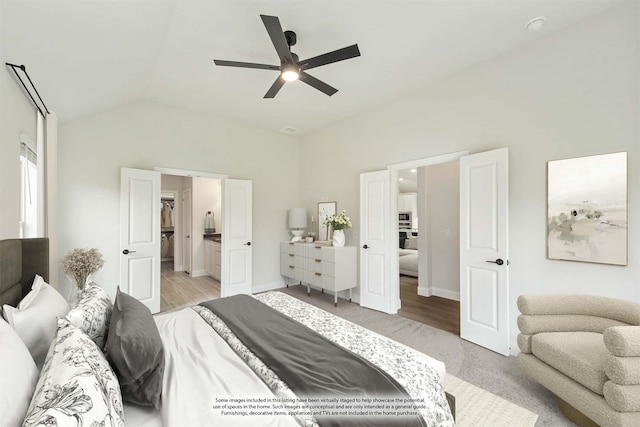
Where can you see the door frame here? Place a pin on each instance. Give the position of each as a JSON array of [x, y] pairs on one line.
[[177, 218], [393, 209], [187, 231], [190, 173]]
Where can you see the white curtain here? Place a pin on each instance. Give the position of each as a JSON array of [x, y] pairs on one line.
[[51, 193]]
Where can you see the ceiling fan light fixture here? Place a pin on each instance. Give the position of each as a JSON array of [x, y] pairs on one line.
[[290, 72]]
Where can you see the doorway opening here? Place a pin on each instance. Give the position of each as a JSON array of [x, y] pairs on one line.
[[428, 247], [188, 254]]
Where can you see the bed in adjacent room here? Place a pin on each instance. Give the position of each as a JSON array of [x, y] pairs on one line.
[[268, 360]]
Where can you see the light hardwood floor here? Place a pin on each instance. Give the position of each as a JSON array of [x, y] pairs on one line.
[[434, 311], [179, 290]]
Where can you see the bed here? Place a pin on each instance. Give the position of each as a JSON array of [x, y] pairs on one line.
[[408, 258], [212, 375]]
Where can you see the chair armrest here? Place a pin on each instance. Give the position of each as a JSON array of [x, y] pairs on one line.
[[623, 341], [627, 312], [537, 323]]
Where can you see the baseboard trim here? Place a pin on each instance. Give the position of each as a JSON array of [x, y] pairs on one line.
[[198, 273], [513, 348], [446, 293], [438, 292], [424, 292]]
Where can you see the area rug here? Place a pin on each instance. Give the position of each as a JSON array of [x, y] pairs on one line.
[[477, 407]]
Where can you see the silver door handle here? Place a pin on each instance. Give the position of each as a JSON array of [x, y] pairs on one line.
[[127, 252], [499, 261], [247, 244]]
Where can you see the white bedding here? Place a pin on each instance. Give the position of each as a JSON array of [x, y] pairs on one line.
[[201, 367]]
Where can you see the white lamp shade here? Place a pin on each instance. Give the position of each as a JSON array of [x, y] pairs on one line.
[[297, 218]]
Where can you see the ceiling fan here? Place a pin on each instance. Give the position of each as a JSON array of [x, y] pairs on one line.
[[291, 68]]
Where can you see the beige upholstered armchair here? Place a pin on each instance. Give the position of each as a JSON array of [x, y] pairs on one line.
[[586, 350]]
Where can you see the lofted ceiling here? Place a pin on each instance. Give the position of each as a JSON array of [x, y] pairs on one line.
[[90, 56]]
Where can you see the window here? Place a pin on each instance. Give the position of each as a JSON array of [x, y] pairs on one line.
[[31, 184]]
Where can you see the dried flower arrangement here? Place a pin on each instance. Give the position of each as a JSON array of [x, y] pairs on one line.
[[82, 263]]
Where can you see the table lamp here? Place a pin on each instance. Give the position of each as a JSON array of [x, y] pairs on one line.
[[297, 223]]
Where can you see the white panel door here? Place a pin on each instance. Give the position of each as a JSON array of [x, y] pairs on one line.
[[377, 289], [236, 237], [484, 251], [186, 228], [140, 236]]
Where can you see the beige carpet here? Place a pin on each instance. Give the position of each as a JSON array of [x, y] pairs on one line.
[[477, 407]]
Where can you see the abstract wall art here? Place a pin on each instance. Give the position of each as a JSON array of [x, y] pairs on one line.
[[587, 209]]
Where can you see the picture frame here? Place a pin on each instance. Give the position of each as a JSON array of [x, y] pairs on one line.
[[587, 217], [325, 209]]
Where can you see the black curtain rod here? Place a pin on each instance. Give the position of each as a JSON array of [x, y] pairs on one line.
[[24, 70]]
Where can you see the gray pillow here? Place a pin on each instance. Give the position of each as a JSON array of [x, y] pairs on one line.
[[135, 351]]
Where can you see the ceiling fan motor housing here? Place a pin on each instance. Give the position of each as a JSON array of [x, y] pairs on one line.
[[291, 37]]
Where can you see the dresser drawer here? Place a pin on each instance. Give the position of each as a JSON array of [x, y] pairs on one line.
[[287, 258], [320, 266], [287, 248], [313, 278], [292, 271], [313, 251]]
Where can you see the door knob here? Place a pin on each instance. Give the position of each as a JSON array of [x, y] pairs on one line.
[[248, 244], [127, 252], [365, 247], [499, 261]]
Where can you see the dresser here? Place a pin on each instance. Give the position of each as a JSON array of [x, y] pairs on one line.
[[325, 267], [212, 258]]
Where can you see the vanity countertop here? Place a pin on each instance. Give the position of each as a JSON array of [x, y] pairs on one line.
[[216, 237]]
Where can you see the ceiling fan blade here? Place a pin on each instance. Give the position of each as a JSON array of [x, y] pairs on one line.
[[275, 88], [272, 24], [318, 84], [223, 63], [331, 57]]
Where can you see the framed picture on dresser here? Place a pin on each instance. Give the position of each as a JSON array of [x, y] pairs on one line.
[[325, 209]]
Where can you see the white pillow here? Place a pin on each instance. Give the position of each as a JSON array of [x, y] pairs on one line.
[[18, 374], [77, 387], [92, 314], [35, 318]]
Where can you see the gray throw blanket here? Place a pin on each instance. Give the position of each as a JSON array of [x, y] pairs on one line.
[[311, 365]]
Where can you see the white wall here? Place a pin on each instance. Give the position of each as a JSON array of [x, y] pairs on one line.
[[205, 196], [443, 229], [17, 114], [145, 135], [572, 93]]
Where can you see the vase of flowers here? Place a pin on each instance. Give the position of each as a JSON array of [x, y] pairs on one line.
[[338, 224], [80, 265]]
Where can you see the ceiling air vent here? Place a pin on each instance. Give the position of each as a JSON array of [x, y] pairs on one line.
[[289, 130]]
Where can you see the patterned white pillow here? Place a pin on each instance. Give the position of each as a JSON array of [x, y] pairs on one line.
[[92, 314], [77, 387]]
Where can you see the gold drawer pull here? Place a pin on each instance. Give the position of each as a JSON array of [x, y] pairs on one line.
[[291, 243], [290, 254], [291, 266], [318, 260], [318, 274], [318, 247]]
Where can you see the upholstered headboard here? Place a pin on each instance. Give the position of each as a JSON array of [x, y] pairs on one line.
[[20, 261]]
